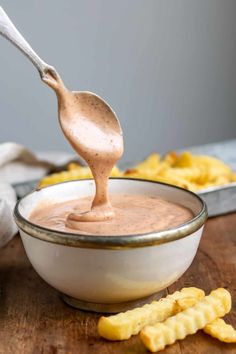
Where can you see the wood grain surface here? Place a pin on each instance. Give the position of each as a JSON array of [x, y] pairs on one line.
[[33, 319]]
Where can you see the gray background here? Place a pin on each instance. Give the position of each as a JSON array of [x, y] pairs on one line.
[[166, 67]]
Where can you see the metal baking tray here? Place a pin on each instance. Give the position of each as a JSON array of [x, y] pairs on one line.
[[220, 200]]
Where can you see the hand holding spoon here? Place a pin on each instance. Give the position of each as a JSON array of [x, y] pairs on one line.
[[88, 122]]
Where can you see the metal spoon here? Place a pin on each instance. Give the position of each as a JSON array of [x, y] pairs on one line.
[[88, 122], [9, 31]]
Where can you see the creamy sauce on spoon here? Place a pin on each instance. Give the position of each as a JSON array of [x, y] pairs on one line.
[[93, 130]]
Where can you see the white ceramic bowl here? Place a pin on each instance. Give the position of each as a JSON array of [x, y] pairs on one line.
[[98, 272]]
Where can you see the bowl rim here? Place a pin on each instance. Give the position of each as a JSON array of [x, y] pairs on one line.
[[112, 242]]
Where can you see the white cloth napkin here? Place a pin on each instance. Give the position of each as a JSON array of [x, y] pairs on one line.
[[7, 202], [17, 164]]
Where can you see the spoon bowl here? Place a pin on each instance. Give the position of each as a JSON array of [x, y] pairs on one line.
[[97, 118]]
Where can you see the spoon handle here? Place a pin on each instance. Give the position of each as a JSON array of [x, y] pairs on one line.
[[10, 32]]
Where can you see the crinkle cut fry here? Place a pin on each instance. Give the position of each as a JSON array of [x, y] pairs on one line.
[[124, 325], [189, 321], [221, 330]]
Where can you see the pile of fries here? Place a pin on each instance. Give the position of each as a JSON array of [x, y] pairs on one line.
[[163, 322], [192, 172]]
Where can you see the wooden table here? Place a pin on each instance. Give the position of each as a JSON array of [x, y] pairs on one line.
[[34, 320]]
